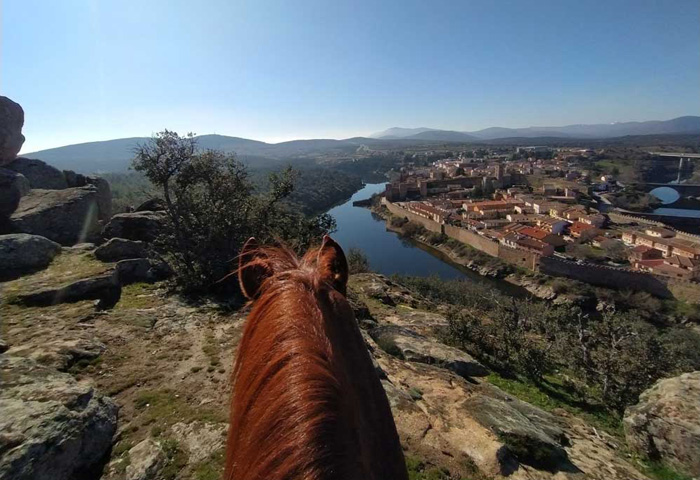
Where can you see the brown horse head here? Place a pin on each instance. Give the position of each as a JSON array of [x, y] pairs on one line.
[[307, 403]]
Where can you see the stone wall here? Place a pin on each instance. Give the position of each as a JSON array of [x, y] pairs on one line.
[[474, 239], [402, 212], [605, 276]]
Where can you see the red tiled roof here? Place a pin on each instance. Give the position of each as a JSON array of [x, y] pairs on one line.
[[578, 227]]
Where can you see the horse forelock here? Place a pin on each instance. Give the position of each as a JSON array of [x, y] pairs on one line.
[[286, 409]]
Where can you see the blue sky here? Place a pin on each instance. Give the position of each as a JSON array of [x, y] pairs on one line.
[[88, 70]]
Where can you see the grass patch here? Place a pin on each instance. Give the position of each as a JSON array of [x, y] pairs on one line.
[[175, 458], [66, 268], [419, 470], [85, 364], [210, 469], [162, 408], [211, 349], [557, 395], [138, 295], [661, 471]]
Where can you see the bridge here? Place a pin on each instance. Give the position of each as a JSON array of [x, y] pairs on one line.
[[677, 155], [684, 189]]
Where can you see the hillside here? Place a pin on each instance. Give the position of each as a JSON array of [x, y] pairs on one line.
[[166, 364]]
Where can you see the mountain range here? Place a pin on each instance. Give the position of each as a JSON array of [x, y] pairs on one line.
[[116, 155], [680, 125]]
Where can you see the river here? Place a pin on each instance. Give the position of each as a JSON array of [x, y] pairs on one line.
[[388, 253]]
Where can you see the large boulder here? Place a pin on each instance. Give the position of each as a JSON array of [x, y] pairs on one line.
[[665, 424], [13, 186], [104, 192], [104, 196], [146, 459], [21, 253], [52, 427], [106, 288], [151, 205], [144, 226], [141, 270], [414, 347], [66, 216], [121, 249], [11, 123], [39, 174]]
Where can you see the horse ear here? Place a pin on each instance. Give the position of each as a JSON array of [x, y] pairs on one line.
[[332, 265], [252, 269]]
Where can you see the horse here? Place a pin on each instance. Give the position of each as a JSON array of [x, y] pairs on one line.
[[307, 402]]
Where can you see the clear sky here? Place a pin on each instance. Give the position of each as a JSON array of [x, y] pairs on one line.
[[88, 70]]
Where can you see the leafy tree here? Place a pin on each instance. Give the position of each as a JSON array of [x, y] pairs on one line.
[[212, 209], [357, 261]]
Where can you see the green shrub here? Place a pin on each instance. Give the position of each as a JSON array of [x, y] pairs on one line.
[[357, 261]]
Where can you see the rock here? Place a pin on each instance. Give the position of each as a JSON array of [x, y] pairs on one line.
[[120, 249], [11, 123], [74, 179], [3, 346], [13, 186], [136, 270], [417, 348], [151, 205], [145, 460], [21, 253], [665, 424], [66, 216], [530, 434], [105, 288], [39, 174], [53, 427], [359, 308], [386, 291], [104, 197], [143, 226], [61, 354], [201, 439]]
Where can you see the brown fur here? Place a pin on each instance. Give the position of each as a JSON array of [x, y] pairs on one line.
[[307, 403]]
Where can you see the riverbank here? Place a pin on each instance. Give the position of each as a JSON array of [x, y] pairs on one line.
[[544, 287]]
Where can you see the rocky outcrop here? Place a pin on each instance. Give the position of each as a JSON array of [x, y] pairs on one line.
[[105, 288], [151, 205], [11, 123], [21, 253], [52, 427], [104, 197], [13, 186], [414, 347], [200, 439], [39, 174], [665, 424], [61, 354], [104, 192], [66, 216], [145, 460], [386, 291], [121, 249], [144, 226]]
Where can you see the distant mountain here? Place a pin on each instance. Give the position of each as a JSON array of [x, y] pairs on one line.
[[398, 132], [116, 155], [680, 125], [443, 136]]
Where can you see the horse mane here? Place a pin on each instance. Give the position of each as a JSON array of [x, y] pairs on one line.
[[286, 410]]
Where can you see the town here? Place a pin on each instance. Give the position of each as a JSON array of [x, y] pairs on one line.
[[537, 208]]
